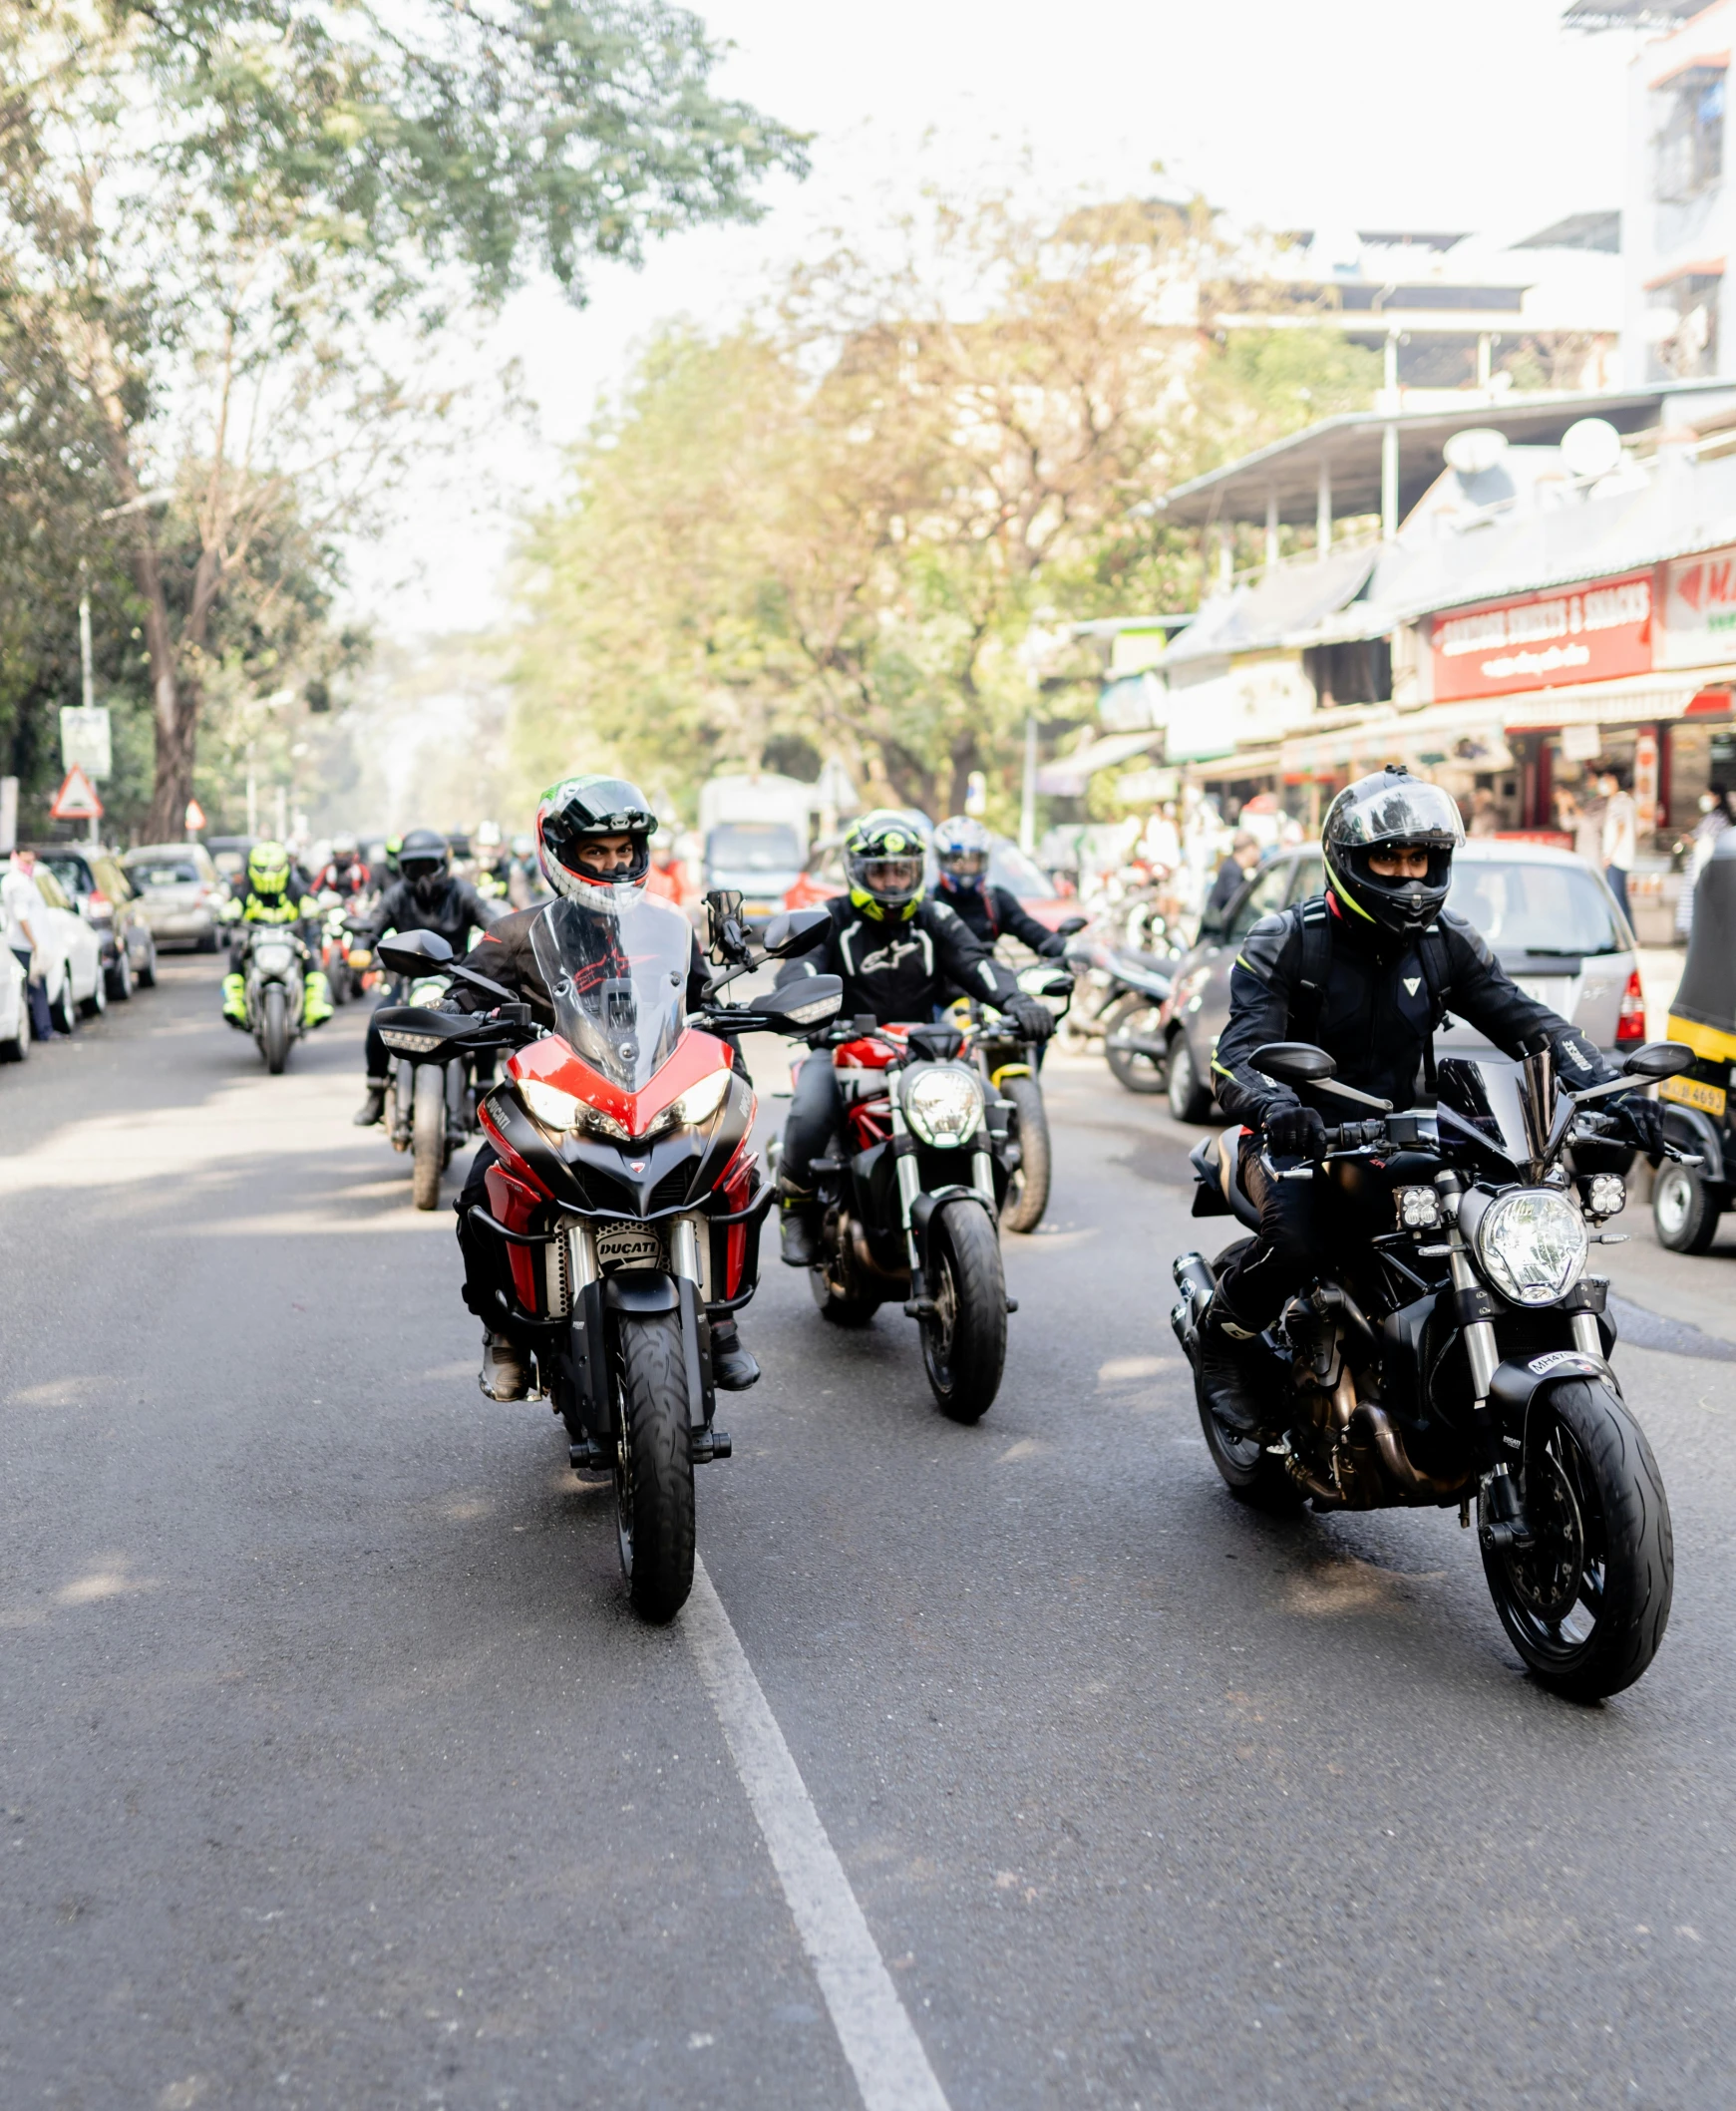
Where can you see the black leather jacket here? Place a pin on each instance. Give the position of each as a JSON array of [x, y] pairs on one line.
[[903, 971], [1375, 1011], [455, 910], [986, 911]]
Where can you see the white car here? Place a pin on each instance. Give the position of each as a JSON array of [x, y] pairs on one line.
[[72, 963], [14, 1010]]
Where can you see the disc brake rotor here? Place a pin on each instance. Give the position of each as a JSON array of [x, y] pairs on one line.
[[1547, 1576]]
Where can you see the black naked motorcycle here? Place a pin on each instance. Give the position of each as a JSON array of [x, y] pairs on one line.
[[1010, 1068], [1462, 1354], [624, 1215]]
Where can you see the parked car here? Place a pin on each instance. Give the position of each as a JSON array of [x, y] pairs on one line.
[[1008, 867], [229, 854], [180, 891], [1547, 916], [14, 1010], [98, 890], [71, 957]]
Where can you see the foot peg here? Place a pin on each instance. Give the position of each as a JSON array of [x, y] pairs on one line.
[[710, 1444], [588, 1456]]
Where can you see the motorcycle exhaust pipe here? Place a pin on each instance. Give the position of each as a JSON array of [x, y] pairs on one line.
[[1194, 1279]]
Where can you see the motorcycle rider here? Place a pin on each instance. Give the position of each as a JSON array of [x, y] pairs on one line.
[[1366, 972], [491, 860], [594, 836], [424, 898], [343, 871], [961, 851], [900, 956], [271, 894]]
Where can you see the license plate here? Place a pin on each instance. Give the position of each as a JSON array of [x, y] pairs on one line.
[[629, 1246], [1691, 1093]]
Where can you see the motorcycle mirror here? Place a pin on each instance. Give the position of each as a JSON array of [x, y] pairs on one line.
[[790, 932], [725, 941], [1661, 1059], [414, 953], [1294, 1063], [1057, 986], [1069, 926]]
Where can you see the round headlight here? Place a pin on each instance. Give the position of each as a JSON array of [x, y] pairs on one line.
[[274, 959], [943, 1104], [1533, 1246]]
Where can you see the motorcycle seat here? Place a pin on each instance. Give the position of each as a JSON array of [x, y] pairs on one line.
[[1217, 1163]]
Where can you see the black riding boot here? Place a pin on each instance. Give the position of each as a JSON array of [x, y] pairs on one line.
[[732, 1367], [1236, 1374], [374, 1106], [798, 1228]]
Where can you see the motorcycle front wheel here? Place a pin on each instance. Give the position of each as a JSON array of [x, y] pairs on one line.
[[654, 1468], [274, 1027], [1028, 1189], [1587, 1603], [428, 1137], [964, 1339]]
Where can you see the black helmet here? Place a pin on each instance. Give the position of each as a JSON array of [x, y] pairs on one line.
[[1392, 810], [423, 858], [588, 807], [884, 862]]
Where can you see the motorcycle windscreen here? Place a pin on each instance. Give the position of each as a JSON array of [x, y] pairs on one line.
[[1707, 996], [616, 975], [1485, 1093]]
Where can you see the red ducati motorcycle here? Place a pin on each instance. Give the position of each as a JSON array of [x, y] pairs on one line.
[[626, 1208]]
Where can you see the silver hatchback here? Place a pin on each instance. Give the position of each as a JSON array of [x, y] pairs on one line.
[[1547, 916], [180, 890]]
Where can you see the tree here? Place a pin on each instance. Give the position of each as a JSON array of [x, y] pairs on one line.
[[216, 212]]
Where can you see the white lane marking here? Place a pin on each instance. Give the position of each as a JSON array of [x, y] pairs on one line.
[[884, 2053]]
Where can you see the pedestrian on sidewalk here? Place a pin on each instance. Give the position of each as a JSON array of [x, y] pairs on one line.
[[26, 917], [1621, 835], [1715, 818]]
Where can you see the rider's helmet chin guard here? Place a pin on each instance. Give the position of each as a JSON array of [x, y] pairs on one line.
[[961, 851], [884, 862], [425, 858], [268, 870], [1391, 810], [577, 810]]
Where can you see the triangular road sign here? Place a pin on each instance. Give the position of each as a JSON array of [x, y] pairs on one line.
[[196, 816], [77, 798]]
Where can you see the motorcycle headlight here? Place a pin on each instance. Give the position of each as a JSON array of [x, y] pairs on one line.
[[273, 959], [697, 1104], [566, 1113], [1533, 1245], [943, 1104]]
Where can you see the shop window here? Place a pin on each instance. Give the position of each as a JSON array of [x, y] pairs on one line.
[[1357, 672], [1688, 143]]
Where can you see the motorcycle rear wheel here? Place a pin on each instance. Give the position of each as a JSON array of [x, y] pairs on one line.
[[964, 1344], [654, 1520], [428, 1137], [274, 1029], [1130, 1067], [1028, 1189], [1587, 1605], [1247, 1467]]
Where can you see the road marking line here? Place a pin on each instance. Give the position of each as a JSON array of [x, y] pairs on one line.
[[884, 2053]]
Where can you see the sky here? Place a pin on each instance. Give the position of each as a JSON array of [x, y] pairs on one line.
[[1483, 116]]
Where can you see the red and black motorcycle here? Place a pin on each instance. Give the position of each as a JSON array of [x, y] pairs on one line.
[[627, 1202]]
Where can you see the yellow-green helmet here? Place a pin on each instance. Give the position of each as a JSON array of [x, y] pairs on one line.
[[268, 868], [884, 862]]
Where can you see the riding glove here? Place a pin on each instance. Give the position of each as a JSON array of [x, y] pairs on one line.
[[1642, 1120], [1036, 1021], [1295, 1132]]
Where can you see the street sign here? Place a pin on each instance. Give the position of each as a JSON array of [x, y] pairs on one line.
[[77, 798], [84, 741], [196, 817]]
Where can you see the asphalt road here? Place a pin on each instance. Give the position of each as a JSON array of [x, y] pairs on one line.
[[335, 1770]]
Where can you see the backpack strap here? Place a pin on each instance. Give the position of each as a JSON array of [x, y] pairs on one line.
[[1309, 1001], [991, 909], [1437, 967]]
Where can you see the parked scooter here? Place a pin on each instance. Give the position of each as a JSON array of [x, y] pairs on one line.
[[627, 1202]]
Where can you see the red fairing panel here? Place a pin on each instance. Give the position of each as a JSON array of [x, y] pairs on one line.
[[511, 1203], [552, 1062]]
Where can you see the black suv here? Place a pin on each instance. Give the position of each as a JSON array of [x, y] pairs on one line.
[[98, 888]]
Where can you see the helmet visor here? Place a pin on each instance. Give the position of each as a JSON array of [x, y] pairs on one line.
[[1397, 811], [964, 865], [415, 869], [892, 877]]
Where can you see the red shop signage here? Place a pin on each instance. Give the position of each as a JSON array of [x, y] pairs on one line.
[[1542, 640]]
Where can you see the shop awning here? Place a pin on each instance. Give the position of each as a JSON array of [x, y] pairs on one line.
[[1068, 775]]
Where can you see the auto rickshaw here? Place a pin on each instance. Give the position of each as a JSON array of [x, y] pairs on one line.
[[1687, 1201]]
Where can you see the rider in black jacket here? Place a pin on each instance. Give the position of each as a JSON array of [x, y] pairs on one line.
[[961, 851], [1366, 972], [424, 898], [900, 958]]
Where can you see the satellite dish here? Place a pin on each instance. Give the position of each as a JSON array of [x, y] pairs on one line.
[[1474, 449], [1591, 447]]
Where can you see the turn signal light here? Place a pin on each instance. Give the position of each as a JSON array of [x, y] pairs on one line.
[[1630, 1026]]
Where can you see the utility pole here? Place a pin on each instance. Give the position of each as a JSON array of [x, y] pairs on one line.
[[87, 681]]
